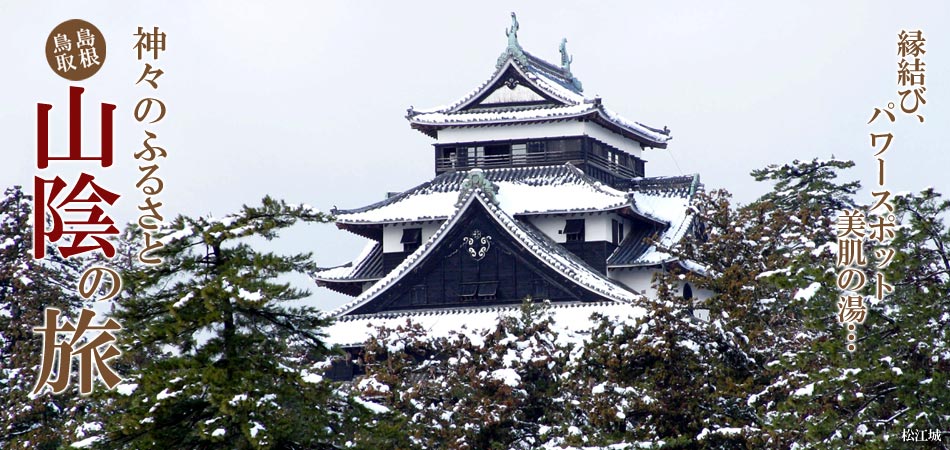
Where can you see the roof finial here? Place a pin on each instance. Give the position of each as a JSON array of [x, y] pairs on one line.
[[512, 32], [514, 48], [566, 59], [476, 180]]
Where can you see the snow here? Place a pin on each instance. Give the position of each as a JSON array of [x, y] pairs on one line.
[[375, 408], [496, 116], [808, 292], [176, 235], [542, 82], [256, 428], [673, 210], [218, 432], [126, 388], [312, 378], [805, 391], [786, 272], [347, 270], [183, 300], [571, 321], [371, 383], [640, 129], [576, 105], [553, 87], [507, 376], [166, 394], [724, 431], [690, 344], [565, 190], [249, 296], [86, 443], [546, 250], [304, 207]]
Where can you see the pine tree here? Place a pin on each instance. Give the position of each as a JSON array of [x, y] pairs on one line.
[[497, 388], [896, 381], [27, 288], [809, 185], [771, 264], [216, 356]]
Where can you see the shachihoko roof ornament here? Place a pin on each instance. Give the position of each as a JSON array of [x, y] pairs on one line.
[[514, 48], [566, 61]]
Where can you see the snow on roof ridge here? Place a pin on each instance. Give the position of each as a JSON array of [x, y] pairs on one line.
[[512, 183], [642, 129], [390, 200], [331, 273], [648, 200], [493, 116], [466, 309], [572, 321], [613, 292]]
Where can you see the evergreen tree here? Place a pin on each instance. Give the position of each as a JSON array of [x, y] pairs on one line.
[[216, 356], [27, 288], [893, 390], [809, 185], [493, 389], [771, 264]]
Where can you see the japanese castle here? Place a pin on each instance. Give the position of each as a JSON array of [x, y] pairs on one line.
[[539, 192]]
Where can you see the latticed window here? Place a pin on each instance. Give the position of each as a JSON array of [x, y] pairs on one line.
[[574, 230], [411, 239]]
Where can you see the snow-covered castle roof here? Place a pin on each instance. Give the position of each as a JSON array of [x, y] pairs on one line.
[[527, 89]]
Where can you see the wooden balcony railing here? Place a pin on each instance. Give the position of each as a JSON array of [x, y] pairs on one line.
[[465, 162]]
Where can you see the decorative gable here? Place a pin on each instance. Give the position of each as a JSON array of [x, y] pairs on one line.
[[511, 93]]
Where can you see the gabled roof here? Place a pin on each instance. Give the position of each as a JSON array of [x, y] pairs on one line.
[[548, 93], [521, 191], [536, 243], [666, 199]]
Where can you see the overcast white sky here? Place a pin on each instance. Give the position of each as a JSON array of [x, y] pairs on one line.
[[305, 100]]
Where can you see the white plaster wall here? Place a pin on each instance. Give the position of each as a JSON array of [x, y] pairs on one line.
[[598, 228], [392, 234], [610, 138], [638, 280], [641, 281], [539, 131], [551, 225], [602, 227]]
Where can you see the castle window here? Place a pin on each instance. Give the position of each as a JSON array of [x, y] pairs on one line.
[[616, 231], [519, 153], [574, 230], [411, 239], [476, 155]]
